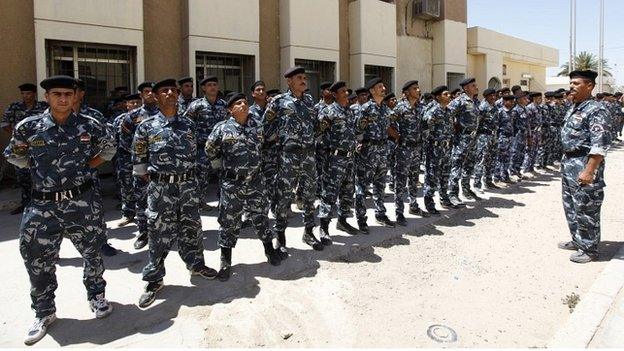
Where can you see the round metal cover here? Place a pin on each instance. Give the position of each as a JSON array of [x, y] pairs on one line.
[[441, 333]]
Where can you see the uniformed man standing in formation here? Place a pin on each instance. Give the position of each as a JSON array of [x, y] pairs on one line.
[[260, 154], [15, 113], [60, 148]]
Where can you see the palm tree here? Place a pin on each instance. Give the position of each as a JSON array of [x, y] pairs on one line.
[[585, 60]]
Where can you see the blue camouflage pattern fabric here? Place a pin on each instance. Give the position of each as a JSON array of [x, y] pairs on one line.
[[206, 115], [338, 128], [464, 112], [184, 103], [521, 130], [320, 156], [14, 114], [293, 123], [239, 149], [133, 189], [486, 143], [534, 118], [439, 146], [166, 147], [585, 130], [407, 153], [544, 148], [371, 157], [505, 135], [270, 154], [57, 157]]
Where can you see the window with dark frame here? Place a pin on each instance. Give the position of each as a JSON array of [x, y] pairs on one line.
[[102, 67], [383, 72], [235, 72], [317, 72]]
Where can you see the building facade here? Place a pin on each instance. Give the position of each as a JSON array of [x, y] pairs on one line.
[[123, 42]]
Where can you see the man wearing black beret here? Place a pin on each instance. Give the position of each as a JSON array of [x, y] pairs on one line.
[[486, 143], [534, 118], [186, 94], [291, 118], [15, 113], [521, 138]]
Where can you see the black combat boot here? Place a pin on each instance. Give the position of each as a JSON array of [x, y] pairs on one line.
[[384, 221], [271, 254], [310, 239], [344, 226], [363, 226], [430, 206], [400, 220], [281, 246], [226, 264], [324, 232]]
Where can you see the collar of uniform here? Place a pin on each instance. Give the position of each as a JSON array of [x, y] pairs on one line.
[[151, 109], [583, 104], [49, 121], [162, 118]]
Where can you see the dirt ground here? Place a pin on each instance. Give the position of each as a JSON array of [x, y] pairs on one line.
[[490, 272]]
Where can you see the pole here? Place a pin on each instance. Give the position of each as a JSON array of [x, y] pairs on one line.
[[574, 34], [601, 49], [571, 57]]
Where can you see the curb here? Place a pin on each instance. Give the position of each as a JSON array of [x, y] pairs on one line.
[[588, 315]]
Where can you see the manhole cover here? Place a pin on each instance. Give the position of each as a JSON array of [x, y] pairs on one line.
[[441, 333]]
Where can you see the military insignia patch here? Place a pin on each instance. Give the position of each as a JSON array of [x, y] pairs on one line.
[[269, 115], [139, 147], [597, 128], [37, 143], [85, 138]]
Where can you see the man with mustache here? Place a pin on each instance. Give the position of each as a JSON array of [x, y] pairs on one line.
[[585, 138]]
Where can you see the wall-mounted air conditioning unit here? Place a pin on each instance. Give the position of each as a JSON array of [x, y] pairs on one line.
[[426, 9]]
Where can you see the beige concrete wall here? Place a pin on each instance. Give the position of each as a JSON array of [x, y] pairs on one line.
[[210, 33], [448, 49], [83, 21], [372, 37], [304, 38], [413, 62], [516, 69], [18, 53], [270, 61], [344, 39], [162, 36]]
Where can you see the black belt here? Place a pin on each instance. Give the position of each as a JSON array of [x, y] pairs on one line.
[[486, 132], [237, 177], [409, 143], [338, 152], [63, 195], [577, 153], [373, 142], [296, 148], [171, 178]]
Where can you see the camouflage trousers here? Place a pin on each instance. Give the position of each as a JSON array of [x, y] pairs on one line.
[[44, 224], [172, 216], [544, 150], [126, 182], [485, 156], [269, 170], [391, 146], [320, 158], [238, 197], [406, 170], [462, 162], [294, 163], [338, 185], [370, 168], [517, 152], [503, 159], [582, 204], [140, 189], [204, 168], [557, 147], [437, 168], [530, 155], [22, 176]]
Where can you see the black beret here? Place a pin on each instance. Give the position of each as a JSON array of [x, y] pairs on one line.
[[255, 84], [170, 83], [80, 84], [28, 87], [372, 82], [599, 95], [455, 91], [361, 90], [488, 91], [607, 94], [117, 100], [350, 91], [534, 94], [131, 97], [293, 70], [209, 79], [618, 94], [515, 87], [146, 84], [185, 80], [560, 90], [325, 85], [121, 88], [58, 82], [273, 92], [389, 96], [505, 90], [521, 94], [408, 84], [427, 96], [439, 90], [509, 97], [587, 74], [466, 82], [558, 95], [339, 84], [352, 96], [549, 94], [233, 97]]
